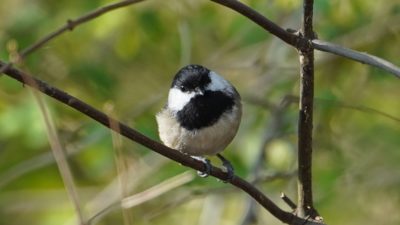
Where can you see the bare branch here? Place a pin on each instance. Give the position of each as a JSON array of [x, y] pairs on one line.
[[57, 150], [136, 136], [142, 197], [306, 104], [111, 196], [265, 23], [157, 190], [361, 57], [69, 26], [299, 42], [60, 158], [72, 148], [288, 201]]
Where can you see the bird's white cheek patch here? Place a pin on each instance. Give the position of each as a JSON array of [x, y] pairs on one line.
[[178, 99]]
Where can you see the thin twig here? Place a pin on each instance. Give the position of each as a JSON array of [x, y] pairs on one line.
[[361, 57], [136, 136], [56, 147], [300, 42], [60, 157], [144, 196], [68, 26], [305, 124], [72, 148], [288, 201], [121, 166], [157, 190], [110, 197]]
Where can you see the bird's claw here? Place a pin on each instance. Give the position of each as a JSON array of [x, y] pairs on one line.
[[207, 166], [228, 168]]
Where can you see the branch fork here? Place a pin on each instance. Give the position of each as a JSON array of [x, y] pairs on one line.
[[303, 40]]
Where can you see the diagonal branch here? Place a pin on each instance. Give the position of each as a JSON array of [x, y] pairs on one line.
[[69, 26], [268, 25], [136, 136], [300, 42], [61, 159], [361, 57]]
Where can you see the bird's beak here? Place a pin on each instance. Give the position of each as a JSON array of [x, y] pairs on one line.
[[199, 91]]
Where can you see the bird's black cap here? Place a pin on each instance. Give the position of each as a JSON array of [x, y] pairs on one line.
[[190, 77]]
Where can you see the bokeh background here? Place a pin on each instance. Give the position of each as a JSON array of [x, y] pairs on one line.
[[123, 62]]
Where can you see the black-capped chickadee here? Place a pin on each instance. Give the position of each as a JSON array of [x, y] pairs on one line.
[[202, 114]]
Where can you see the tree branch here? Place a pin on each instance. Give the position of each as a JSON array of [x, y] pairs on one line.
[[68, 26], [136, 136], [305, 200], [263, 22], [299, 42], [361, 57], [288, 201], [71, 24]]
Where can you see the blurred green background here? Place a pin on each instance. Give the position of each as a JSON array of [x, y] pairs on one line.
[[123, 62]]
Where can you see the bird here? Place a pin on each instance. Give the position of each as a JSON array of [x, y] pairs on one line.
[[202, 115]]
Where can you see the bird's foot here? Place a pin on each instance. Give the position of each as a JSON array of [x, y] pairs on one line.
[[207, 166], [228, 168]]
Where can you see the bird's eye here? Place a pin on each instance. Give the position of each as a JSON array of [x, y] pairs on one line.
[[184, 89]]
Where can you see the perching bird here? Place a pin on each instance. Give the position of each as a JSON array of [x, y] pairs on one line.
[[202, 115]]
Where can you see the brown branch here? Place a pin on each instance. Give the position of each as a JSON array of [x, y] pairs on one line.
[[68, 26], [263, 22], [305, 200], [300, 42], [71, 24], [288, 201], [136, 136]]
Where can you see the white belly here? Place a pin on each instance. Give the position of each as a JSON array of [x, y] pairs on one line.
[[205, 141]]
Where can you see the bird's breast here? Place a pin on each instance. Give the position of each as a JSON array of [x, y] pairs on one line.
[[207, 140], [204, 110]]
